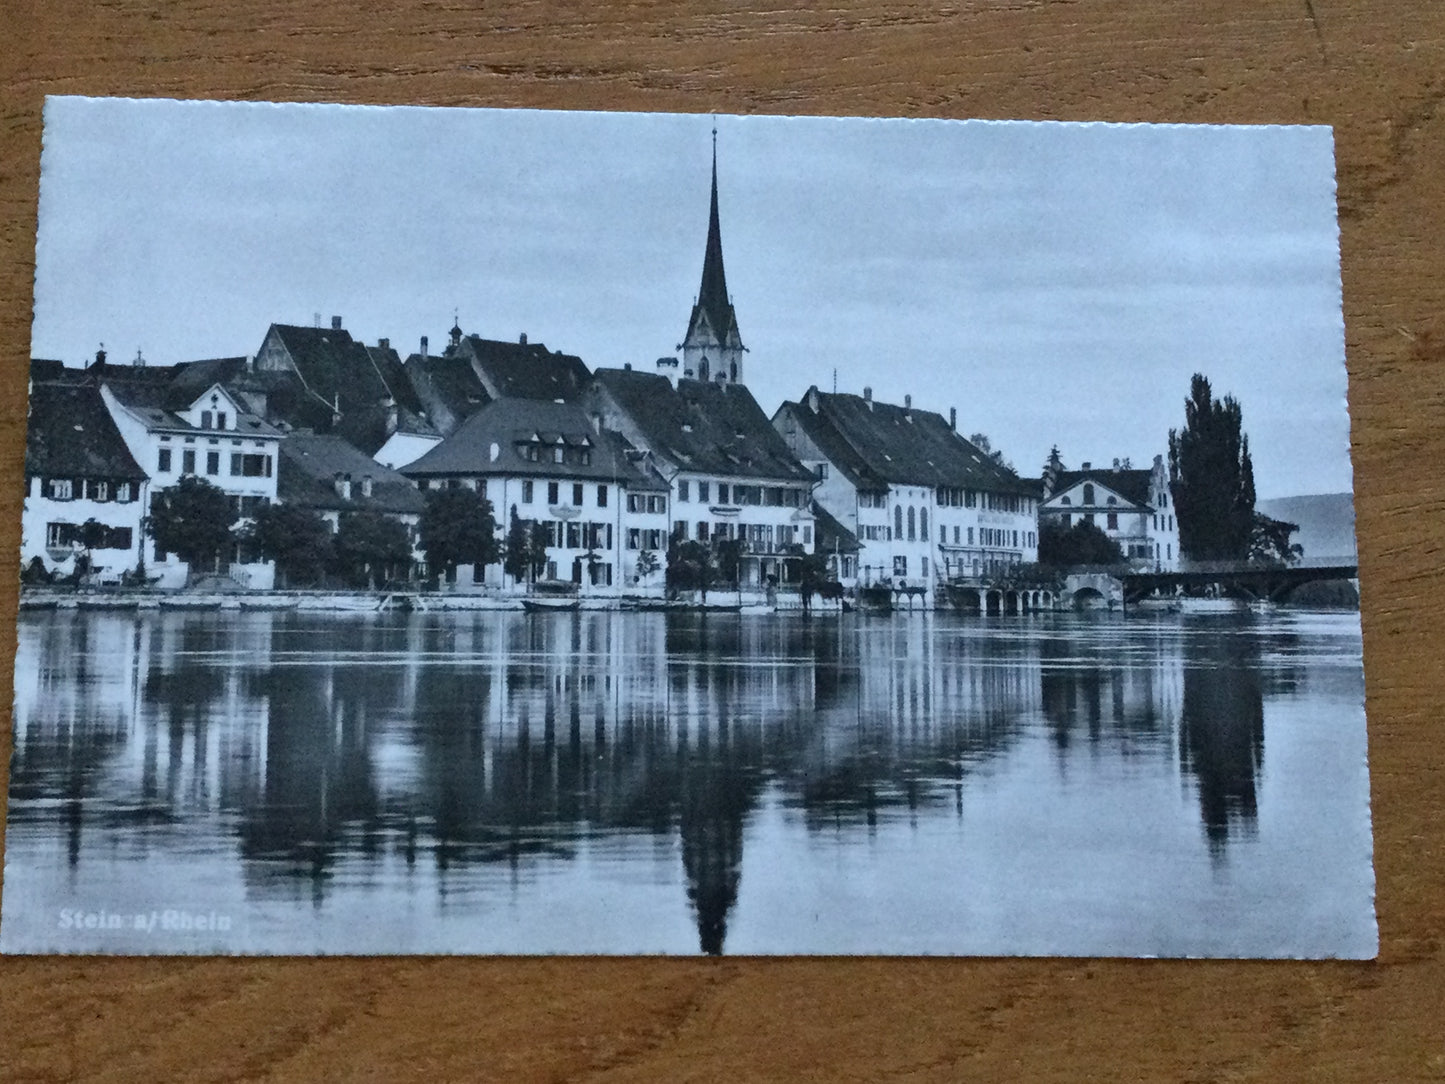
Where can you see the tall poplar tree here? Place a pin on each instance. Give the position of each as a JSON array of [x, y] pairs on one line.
[[1212, 477]]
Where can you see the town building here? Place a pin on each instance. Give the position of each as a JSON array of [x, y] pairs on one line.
[[322, 379], [732, 477], [1133, 507], [599, 498], [78, 468], [211, 436], [473, 371], [329, 476], [926, 505]]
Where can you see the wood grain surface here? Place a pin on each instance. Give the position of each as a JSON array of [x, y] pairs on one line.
[[1376, 71]]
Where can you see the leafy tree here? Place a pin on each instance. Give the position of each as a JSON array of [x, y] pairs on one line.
[[690, 567], [1212, 477], [370, 547], [647, 564], [1269, 541], [92, 535], [984, 445], [730, 560], [457, 529], [192, 519], [297, 539], [1082, 544], [517, 559], [538, 540]]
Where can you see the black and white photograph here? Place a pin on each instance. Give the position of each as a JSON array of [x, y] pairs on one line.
[[505, 531]]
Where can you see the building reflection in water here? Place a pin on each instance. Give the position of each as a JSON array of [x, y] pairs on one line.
[[509, 740]]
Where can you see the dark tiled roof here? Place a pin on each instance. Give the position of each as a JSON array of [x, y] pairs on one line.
[[389, 364], [830, 442], [905, 446], [830, 536], [1131, 484], [151, 404], [71, 434], [192, 378], [447, 388], [707, 428], [505, 423], [307, 468], [515, 370]]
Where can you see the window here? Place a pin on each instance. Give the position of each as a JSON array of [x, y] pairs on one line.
[[912, 525], [221, 420], [163, 461], [702, 530], [60, 489], [213, 462], [970, 499], [682, 488], [188, 461], [970, 535], [925, 566], [955, 535], [923, 524], [248, 466], [98, 491], [821, 470], [552, 493], [574, 536], [702, 492], [722, 493], [807, 535], [601, 496], [1088, 493], [1110, 500], [634, 538], [1088, 517], [657, 503], [527, 491], [898, 521], [1113, 521], [900, 566], [205, 419], [942, 534], [679, 528], [577, 493], [122, 493]]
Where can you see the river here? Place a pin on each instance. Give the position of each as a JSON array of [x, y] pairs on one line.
[[682, 783]]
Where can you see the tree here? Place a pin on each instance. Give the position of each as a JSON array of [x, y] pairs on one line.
[[370, 546], [192, 519], [1081, 544], [539, 538], [690, 566], [730, 560], [92, 535], [1269, 541], [297, 539], [1053, 467], [457, 528], [647, 564], [984, 445], [1212, 477], [517, 558]]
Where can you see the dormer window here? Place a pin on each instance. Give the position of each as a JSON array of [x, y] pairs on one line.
[[1088, 494], [557, 453], [206, 419], [221, 420]]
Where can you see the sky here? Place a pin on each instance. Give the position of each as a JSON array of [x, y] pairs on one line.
[[1056, 283]]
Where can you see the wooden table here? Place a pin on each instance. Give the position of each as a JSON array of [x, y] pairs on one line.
[[1376, 71]]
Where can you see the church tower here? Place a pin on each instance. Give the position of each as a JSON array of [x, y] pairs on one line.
[[713, 349]]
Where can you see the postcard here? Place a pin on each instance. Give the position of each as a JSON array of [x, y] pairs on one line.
[[522, 532]]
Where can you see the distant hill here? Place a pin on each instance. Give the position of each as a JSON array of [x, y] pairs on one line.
[[1326, 522]]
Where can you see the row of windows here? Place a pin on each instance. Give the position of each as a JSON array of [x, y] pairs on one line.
[[210, 419], [764, 535], [1163, 522], [533, 452], [66, 535], [578, 536], [90, 489], [654, 503], [243, 465], [1111, 520], [765, 496]]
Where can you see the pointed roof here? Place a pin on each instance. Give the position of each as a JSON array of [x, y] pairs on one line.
[[71, 433], [712, 294]]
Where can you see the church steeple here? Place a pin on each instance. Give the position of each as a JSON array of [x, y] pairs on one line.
[[713, 349]]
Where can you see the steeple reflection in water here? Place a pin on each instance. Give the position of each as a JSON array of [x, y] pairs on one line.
[[490, 775]]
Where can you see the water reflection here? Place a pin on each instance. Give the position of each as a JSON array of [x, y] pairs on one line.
[[321, 756]]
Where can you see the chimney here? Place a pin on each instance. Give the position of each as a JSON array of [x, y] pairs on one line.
[[423, 348], [813, 399], [250, 363], [908, 402], [389, 405], [953, 418], [522, 339], [627, 366], [1086, 465], [100, 355], [383, 344], [867, 394], [336, 323], [366, 485]]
